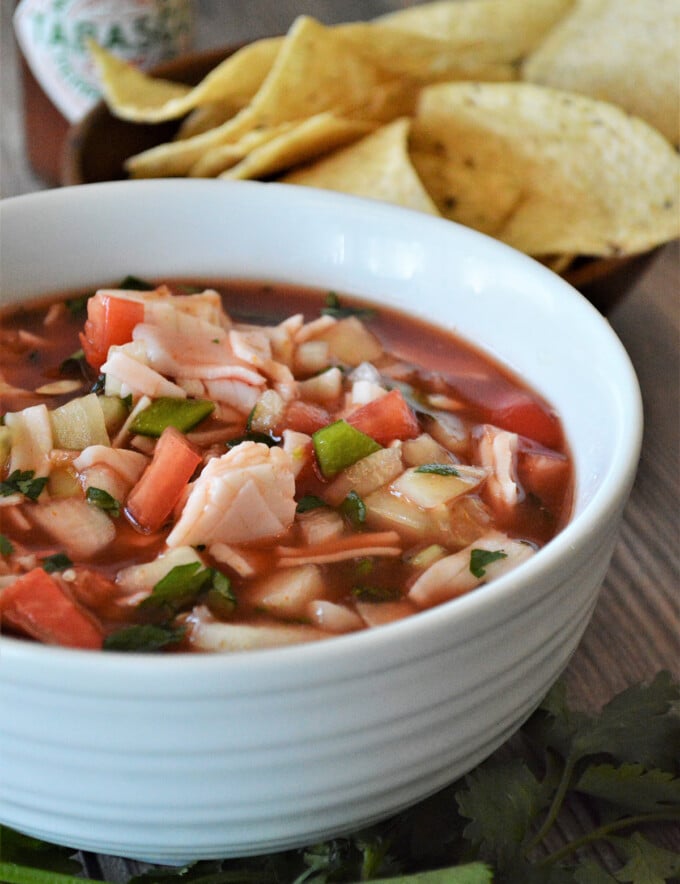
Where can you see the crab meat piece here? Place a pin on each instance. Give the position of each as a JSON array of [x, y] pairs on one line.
[[332, 617], [457, 574], [245, 495], [237, 394], [206, 305], [497, 450], [114, 470], [205, 633], [196, 350], [132, 376]]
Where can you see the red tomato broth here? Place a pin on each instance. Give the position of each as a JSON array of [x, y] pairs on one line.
[[420, 359]]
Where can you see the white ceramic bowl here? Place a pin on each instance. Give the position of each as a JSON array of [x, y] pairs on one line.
[[175, 758]]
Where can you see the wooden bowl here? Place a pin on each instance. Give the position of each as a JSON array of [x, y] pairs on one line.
[[96, 149]]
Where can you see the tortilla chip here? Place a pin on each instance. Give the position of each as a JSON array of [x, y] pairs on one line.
[[496, 30], [224, 156], [377, 167], [315, 71], [546, 171], [309, 139], [623, 51], [136, 96], [421, 58], [207, 117]]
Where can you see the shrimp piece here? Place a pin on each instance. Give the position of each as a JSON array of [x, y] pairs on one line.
[[497, 450], [245, 495], [457, 574]]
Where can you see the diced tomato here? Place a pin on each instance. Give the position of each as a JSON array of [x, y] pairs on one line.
[[304, 417], [386, 418], [110, 320], [160, 487], [521, 414], [36, 606]]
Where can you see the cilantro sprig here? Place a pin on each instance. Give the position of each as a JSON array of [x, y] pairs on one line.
[[334, 308], [496, 825], [23, 482]]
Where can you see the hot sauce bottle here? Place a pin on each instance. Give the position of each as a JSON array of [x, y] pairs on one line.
[[59, 78]]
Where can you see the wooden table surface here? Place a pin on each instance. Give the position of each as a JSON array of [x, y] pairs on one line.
[[635, 630]]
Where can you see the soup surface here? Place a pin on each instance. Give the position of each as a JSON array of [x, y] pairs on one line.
[[232, 466]]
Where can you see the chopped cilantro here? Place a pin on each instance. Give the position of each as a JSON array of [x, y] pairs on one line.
[[354, 509], [23, 482], [181, 586], [254, 437], [480, 558], [376, 593], [57, 562], [309, 502], [337, 311], [135, 284], [144, 638], [72, 362], [220, 598], [6, 546], [103, 500], [77, 306], [438, 469], [99, 384]]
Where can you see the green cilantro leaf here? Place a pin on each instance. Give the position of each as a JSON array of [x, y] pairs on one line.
[[630, 787], [144, 638], [17, 849], [438, 469], [78, 305], [334, 308], [6, 546], [376, 594], [471, 873], [220, 598], [354, 509], [136, 284], [501, 802], [23, 482], [309, 502], [589, 872], [616, 730], [57, 562], [480, 558], [177, 589], [646, 862], [103, 500]]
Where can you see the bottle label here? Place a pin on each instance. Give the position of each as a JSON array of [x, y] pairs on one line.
[[53, 37]]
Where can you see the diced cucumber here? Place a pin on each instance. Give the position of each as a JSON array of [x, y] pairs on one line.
[[79, 423], [115, 412]]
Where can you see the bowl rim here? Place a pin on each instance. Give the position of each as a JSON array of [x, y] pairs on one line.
[[299, 661]]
